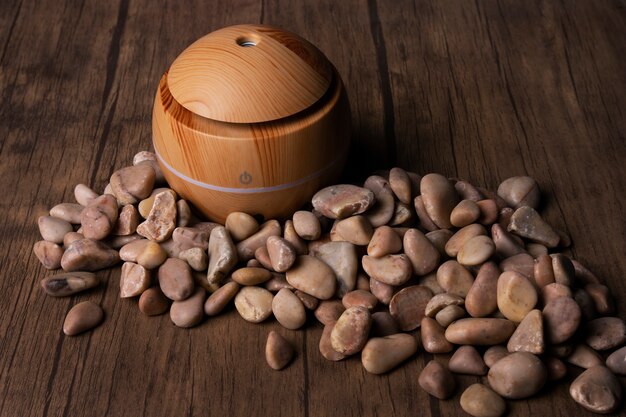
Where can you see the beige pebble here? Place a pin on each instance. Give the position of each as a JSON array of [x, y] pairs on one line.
[[527, 223], [359, 298], [602, 299], [506, 243], [449, 315], [383, 324], [536, 249], [494, 353], [325, 346], [616, 361], [467, 360], [307, 225], [145, 252], [454, 278], [529, 335], [127, 221], [149, 158], [385, 241], [518, 375], [543, 272], [241, 225], [424, 219], [480, 331], [291, 236], [433, 337], [437, 380], [70, 212], [197, 258], [82, 317], [584, 357], [356, 230], [254, 304], [408, 306], [134, 280], [553, 291], [190, 237], [381, 291], [481, 299], [84, 195], [53, 229], [278, 351], [479, 400], [116, 242], [424, 257], [382, 354], [342, 200], [88, 255], [476, 251], [400, 184], [458, 240], [402, 215], [605, 333], [309, 302], [189, 312], [48, 253], [175, 279], [430, 281], [72, 237], [251, 276], [183, 213], [341, 257], [597, 390], [389, 269], [277, 282], [439, 239], [313, 277], [464, 213], [247, 247], [217, 301], [153, 302], [441, 301], [488, 212], [281, 253], [520, 191], [561, 318], [69, 283], [439, 197], [161, 221], [222, 255], [350, 333], [563, 270], [522, 263], [329, 311], [132, 184], [516, 296], [288, 309], [384, 207]]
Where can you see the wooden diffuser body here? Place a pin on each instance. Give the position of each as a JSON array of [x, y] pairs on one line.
[[250, 118]]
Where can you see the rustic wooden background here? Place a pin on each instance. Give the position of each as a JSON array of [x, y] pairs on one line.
[[481, 90]]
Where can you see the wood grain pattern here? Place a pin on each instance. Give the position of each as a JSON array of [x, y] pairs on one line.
[[480, 90]]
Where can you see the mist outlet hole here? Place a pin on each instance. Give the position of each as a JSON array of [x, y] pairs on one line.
[[246, 42]]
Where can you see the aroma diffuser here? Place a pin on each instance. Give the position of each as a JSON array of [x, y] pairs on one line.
[[250, 118]]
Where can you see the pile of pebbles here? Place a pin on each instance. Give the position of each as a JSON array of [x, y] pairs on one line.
[[479, 273]]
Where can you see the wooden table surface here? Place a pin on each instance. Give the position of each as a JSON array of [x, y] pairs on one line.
[[480, 90]]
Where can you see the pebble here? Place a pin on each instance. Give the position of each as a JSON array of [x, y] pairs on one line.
[[275, 283], [402, 215], [516, 296], [553, 291], [383, 209], [70, 212], [449, 314], [342, 258], [217, 301], [424, 220], [616, 361], [251, 276], [462, 236], [183, 213], [518, 375], [343, 200], [466, 360], [153, 302], [467, 191], [53, 229], [222, 255], [288, 309], [88, 255], [161, 221], [389, 269], [476, 251], [488, 212], [480, 331], [149, 158], [437, 381], [84, 195], [382, 354], [196, 258], [350, 333], [247, 247], [381, 291], [507, 244], [190, 237], [605, 333], [408, 306], [82, 317], [99, 217], [307, 225], [151, 256], [63, 285], [522, 263], [464, 213], [441, 301], [313, 277], [494, 354], [543, 272], [281, 253], [597, 390], [309, 302], [296, 241], [563, 269], [479, 400], [241, 225], [439, 239], [134, 280], [536, 249], [48, 253], [356, 230], [383, 324], [584, 357], [481, 299], [555, 367], [254, 304], [439, 197], [132, 184], [433, 338], [72, 237], [454, 278], [561, 318], [602, 300], [583, 275], [325, 346], [175, 279], [385, 241], [520, 191], [422, 254], [190, 311], [278, 351], [328, 312], [529, 335], [400, 184], [527, 223], [127, 221], [359, 298]]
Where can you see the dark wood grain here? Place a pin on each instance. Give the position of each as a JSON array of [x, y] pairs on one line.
[[480, 90]]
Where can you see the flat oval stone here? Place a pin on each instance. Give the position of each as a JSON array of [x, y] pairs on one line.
[[616, 361], [439, 197], [291, 236], [382, 354], [433, 337], [222, 255], [402, 216], [466, 360], [464, 213], [389, 269], [351, 331], [175, 279], [543, 272], [383, 209], [441, 301], [63, 285], [288, 309], [556, 368], [189, 312], [597, 390], [481, 299], [134, 280], [359, 298], [561, 318], [254, 304], [183, 213], [342, 200], [153, 302], [563, 270], [454, 278], [584, 357], [82, 317], [606, 333], [69, 212], [458, 240], [522, 263], [356, 230], [468, 191], [516, 296], [480, 331], [281, 253], [424, 219], [313, 277], [437, 381], [385, 241], [553, 291], [518, 375], [494, 354], [381, 291], [53, 229], [400, 184], [329, 311], [278, 351], [422, 254], [325, 346], [84, 195], [220, 298], [479, 400], [247, 247], [449, 314], [342, 258], [520, 191], [48, 253], [88, 255], [476, 251], [408, 306], [241, 225], [251, 276], [307, 225]]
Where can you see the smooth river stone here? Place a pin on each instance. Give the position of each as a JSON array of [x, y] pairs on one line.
[[342, 200], [408, 306], [153, 302], [561, 318], [433, 337], [196, 258], [441, 301], [222, 255], [385, 241], [480, 331], [53, 229], [70, 212], [516, 296], [476, 251], [389, 269], [190, 237], [189, 312], [132, 184], [466, 360], [329, 311], [462, 236], [439, 197], [518, 375], [307, 225], [175, 279], [312, 276], [288, 309], [251, 276], [84, 195], [527, 223], [82, 317], [220, 298], [616, 361], [424, 220], [422, 254], [454, 278], [437, 380], [597, 390], [360, 298], [48, 253], [351, 331], [134, 280], [127, 221], [254, 304], [450, 314], [282, 254], [479, 400], [382, 354], [606, 333], [247, 247], [69, 283], [529, 335], [99, 217], [241, 225], [464, 213], [356, 229], [506, 244], [520, 191], [400, 184], [481, 299], [278, 351], [384, 207], [88, 255], [342, 258]]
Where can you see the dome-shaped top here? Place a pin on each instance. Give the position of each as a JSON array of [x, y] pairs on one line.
[[249, 74]]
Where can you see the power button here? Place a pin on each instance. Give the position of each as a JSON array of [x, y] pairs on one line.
[[245, 178]]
